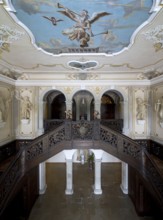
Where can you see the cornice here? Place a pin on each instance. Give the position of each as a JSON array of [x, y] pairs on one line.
[[7, 80], [157, 80], [57, 83], [143, 82]]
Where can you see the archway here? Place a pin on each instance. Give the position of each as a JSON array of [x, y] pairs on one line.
[[55, 105], [83, 106], [107, 107], [111, 105]]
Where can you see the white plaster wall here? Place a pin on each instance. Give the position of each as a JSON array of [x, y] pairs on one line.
[[140, 131], [60, 158], [27, 131], [6, 107], [128, 106], [108, 158], [156, 129]]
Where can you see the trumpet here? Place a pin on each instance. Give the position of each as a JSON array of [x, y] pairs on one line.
[[67, 9]]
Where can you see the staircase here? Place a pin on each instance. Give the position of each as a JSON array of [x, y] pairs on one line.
[[80, 134]]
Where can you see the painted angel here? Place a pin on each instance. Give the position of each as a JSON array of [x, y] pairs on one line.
[[82, 30]]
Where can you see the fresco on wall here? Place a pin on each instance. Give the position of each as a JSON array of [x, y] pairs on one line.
[[67, 26]]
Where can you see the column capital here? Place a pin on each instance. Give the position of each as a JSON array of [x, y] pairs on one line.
[[98, 154], [69, 154]]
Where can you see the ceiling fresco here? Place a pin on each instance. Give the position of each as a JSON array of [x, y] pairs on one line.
[[68, 26]]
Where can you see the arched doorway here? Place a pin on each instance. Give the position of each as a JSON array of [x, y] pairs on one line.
[[58, 107], [107, 107], [83, 106], [55, 105], [111, 105]]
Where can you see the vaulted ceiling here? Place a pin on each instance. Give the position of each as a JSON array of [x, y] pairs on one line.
[[50, 39]]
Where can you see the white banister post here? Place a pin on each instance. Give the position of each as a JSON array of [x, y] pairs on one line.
[[42, 178], [124, 179]]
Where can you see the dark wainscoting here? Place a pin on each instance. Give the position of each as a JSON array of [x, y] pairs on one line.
[[143, 201], [23, 198], [152, 147]]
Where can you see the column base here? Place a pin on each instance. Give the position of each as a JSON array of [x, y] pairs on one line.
[[69, 191], [124, 190], [97, 191], [42, 191]]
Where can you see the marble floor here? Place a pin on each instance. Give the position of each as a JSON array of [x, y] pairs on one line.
[[83, 204]]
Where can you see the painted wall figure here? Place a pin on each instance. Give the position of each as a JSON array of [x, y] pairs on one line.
[[159, 108], [26, 107], [141, 109]]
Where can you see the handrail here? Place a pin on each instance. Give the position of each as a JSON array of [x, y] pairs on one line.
[[107, 139], [9, 179], [23, 162], [129, 151]]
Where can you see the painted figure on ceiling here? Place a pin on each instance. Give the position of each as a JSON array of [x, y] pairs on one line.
[[81, 31]]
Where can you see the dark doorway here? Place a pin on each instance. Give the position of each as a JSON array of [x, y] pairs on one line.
[[107, 107], [58, 107]]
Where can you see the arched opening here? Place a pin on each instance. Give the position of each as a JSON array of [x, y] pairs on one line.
[[55, 106], [58, 107], [107, 107], [111, 105], [83, 106]]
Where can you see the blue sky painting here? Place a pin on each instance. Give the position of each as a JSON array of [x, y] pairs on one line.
[[58, 25]]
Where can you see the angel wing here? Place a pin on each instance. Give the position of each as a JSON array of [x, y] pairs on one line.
[[69, 14], [53, 20], [96, 16], [47, 18]]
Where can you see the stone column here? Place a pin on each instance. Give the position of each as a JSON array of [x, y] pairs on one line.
[[121, 105], [124, 180], [97, 186], [126, 130], [77, 102], [42, 178], [69, 177], [69, 171], [97, 178], [97, 107], [40, 118], [69, 105]]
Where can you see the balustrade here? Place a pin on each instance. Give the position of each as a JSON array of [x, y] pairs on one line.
[[61, 138]]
